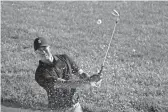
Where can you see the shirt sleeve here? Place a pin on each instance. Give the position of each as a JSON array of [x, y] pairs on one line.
[[43, 78], [76, 70], [74, 66]]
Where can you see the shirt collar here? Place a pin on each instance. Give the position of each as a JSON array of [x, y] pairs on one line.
[[47, 64]]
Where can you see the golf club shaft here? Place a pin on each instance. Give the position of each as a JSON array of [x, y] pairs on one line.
[[108, 48], [109, 44]]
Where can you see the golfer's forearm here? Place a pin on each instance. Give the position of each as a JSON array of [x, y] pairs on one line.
[[77, 83], [72, 84]]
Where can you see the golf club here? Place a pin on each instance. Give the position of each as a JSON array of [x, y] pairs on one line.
[[114, 13]]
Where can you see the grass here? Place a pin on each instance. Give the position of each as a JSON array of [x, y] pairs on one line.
[[135, 76]]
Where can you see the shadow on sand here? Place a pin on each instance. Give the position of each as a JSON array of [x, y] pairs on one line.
[[14, 105]]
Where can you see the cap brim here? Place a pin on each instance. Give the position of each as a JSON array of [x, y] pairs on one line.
[[44, 45]]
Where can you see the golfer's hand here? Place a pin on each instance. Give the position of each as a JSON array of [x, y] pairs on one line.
[[61, 80], [95, 77], [83, 76], [58, 82], [95, 80]]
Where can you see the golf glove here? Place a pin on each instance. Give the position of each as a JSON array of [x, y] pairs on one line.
[[95, 80], [95, 77], [83, 76]]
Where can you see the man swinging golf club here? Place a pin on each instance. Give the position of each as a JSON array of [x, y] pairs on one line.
[[59, 75]]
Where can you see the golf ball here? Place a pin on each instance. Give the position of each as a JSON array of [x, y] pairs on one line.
[[133, 50], [99, 21]]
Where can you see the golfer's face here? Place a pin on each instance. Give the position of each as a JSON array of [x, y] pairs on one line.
[[44, 52]]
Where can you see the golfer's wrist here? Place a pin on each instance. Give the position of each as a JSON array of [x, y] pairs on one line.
[[82, 74], [80, 71], [87, 80]]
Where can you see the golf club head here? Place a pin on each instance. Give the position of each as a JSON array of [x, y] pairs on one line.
[[116, 14]]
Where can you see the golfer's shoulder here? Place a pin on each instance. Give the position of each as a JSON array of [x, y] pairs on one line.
[[38, 73], [40, 69], [63, 56]]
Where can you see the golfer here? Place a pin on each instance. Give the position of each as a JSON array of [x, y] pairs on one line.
[[59, 75]]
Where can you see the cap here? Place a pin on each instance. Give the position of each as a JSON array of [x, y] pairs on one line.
[[39, 42]]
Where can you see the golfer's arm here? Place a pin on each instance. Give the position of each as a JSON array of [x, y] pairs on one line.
[[71, 83]]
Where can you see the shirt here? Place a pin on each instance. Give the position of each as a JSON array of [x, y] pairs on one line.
[[46, 74]]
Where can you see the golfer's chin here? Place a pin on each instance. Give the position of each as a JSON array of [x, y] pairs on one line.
[[45, 58], [48, 58]]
